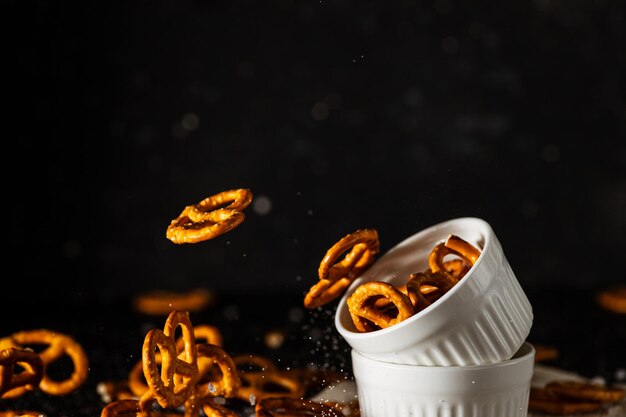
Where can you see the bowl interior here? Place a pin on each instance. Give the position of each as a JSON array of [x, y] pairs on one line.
[[410, 256]]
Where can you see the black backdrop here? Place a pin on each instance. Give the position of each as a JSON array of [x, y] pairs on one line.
[[338, 115]]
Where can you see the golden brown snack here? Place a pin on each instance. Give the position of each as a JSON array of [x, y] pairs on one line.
[[229, 382], [291, 407], [360, 248], [453, 245], [21, 413], [259, 385], [613, 299], [213, 409], [208, 219], [57, 345], [437, 283], [161, 302], [122, 408], [175, 382], [584, 391], [540, 400], [366, 317], [12, 384]]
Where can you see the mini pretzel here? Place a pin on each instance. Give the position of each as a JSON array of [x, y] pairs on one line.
[[453, 245], [206, 220], [366, 316], [335, 277], [168, 390], [540, 400], [160, 302], [290, 407], [58, 345], [585, 391], [442, 281], [230, 382], [13, 385]]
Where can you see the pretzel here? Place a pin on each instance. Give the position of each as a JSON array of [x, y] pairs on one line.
[[13, 385], [21, 413], [457, 268], [58, 345], [545, 353], [613, 299], [290, 407], [585, 391], [258, 385], [363, 312], [206, 220], [168, 390], [230, 382], [453, 245], [541, 400], [335, 277], [441, 281], [161, 302]]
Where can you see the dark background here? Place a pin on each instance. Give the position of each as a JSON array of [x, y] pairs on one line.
[[338, 115]]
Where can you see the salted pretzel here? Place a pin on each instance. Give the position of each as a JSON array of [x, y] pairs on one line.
[[453, 245], [442, 283], [208, 218], [229, 382], [367, 317], [168, 390], [57, 345], [290, 407], [360, 248], [161, 302], [13, 385]]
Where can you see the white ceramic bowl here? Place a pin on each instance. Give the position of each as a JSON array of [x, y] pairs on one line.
[[493, 390], [484, 318]]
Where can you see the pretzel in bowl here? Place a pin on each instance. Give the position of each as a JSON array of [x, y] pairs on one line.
[[360, 248], [210, 218], [290, 407], [365, 315], [453, 245], [175, 382], [12, 384], [57, 345], [437, 283]]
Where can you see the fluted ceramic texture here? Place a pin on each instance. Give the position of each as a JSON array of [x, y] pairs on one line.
[[484, 318], [493, 390]]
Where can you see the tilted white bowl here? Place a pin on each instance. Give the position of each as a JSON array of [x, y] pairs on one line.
[[484, 318], [494, 390]]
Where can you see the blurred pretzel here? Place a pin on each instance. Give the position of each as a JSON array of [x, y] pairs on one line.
[[291, 407], [540, 400], [453, 245], [260, 385], [13, 385], [161, 302], [212, 409], [613, 299], [585, 391], [366, 317], [21, 413], [208, 219], [57, 345], [168, 390], [441, 282], [334, 277]]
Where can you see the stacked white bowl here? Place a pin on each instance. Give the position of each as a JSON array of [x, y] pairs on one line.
[[465, 355]]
